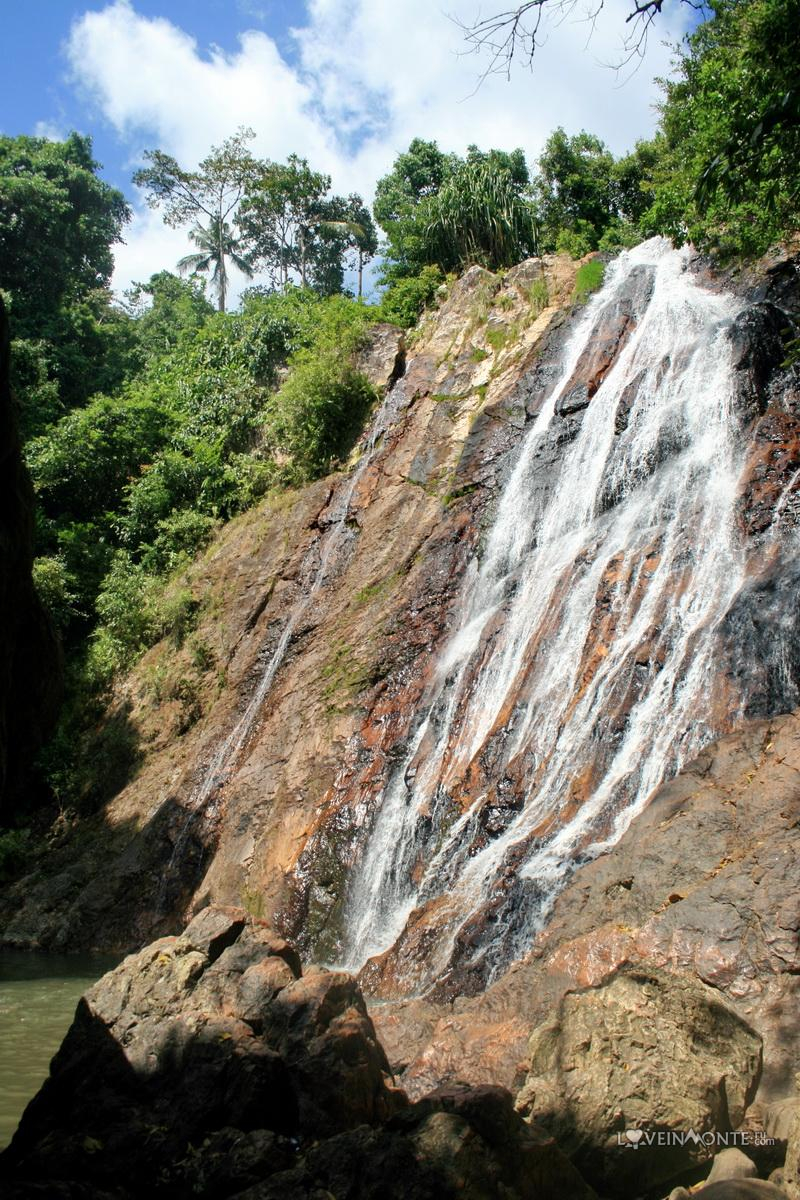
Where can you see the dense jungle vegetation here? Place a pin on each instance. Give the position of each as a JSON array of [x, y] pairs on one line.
[[150, 420]]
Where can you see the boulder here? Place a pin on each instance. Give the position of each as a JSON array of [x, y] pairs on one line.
[[457, 1144], [194, 1035], [791, 1169], [731, 1164], [648, 1053], [741, 1189], [207, 1065]]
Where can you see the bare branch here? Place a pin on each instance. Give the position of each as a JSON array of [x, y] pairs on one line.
[[517, 33]]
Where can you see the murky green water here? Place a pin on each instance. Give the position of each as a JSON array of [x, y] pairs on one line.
[[38, 995]]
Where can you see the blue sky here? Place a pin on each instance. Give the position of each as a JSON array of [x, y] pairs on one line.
[[345, 83]]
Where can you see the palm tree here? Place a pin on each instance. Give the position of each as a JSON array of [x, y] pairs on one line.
[[217, 243]]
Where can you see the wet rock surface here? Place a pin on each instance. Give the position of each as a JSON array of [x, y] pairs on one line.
[[702, 885], [702, 881], [207, 1065], [343, 699]]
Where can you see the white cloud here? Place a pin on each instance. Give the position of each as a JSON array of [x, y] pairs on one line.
[[49, 130], [369, 77]]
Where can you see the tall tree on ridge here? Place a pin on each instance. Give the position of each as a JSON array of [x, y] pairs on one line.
[[213, 191], [216, 244], [281, 217]]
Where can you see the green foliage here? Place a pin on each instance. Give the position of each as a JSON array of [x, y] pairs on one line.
[[53, 585], [82, 465], [441, 210], [176, 540], [95, 752], [406, 297], [574, 191], [478, 216], [211, 194], [577, 242], [33, 382], [296, 229], [318, 412], [588, 279], [58, 223], [178, 309], [726, 176], [16, 851], [216, 244]]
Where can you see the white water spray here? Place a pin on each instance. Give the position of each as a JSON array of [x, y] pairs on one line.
[[585, 640]]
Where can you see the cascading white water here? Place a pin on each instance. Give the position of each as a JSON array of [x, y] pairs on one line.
[[641, 513]]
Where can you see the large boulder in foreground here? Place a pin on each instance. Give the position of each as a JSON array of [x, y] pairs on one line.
[[647, 1053], [208, 1065]]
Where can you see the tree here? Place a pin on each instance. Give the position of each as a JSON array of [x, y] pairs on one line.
[[177, 308], [217, 244], [58, 224], [479, 216], [575, 191], [350, 222], [416, 174], [282, 216], [213, 191], [439, 209], [726, 177]]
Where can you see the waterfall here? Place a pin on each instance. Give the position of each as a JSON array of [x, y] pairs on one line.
[[581, 670]]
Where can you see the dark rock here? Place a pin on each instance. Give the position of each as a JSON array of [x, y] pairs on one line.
[[166, 1051], [214, 929], [791, 1168], [742, 1189], [615, 324], [758, 349], [166, 1087], [460, 1144], [30, 654], [731, 1163]]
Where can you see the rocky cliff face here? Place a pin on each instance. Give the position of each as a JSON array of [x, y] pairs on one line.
[[337, 596], [453, 718], [30, 668]]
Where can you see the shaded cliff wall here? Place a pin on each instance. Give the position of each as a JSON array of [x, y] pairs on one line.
[[30, 661]]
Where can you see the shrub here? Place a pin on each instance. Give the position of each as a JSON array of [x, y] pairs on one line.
[[178, 538], [404, 299], [16, 846], [576, 242], [318, 413], [55, 589], [588, 279]]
